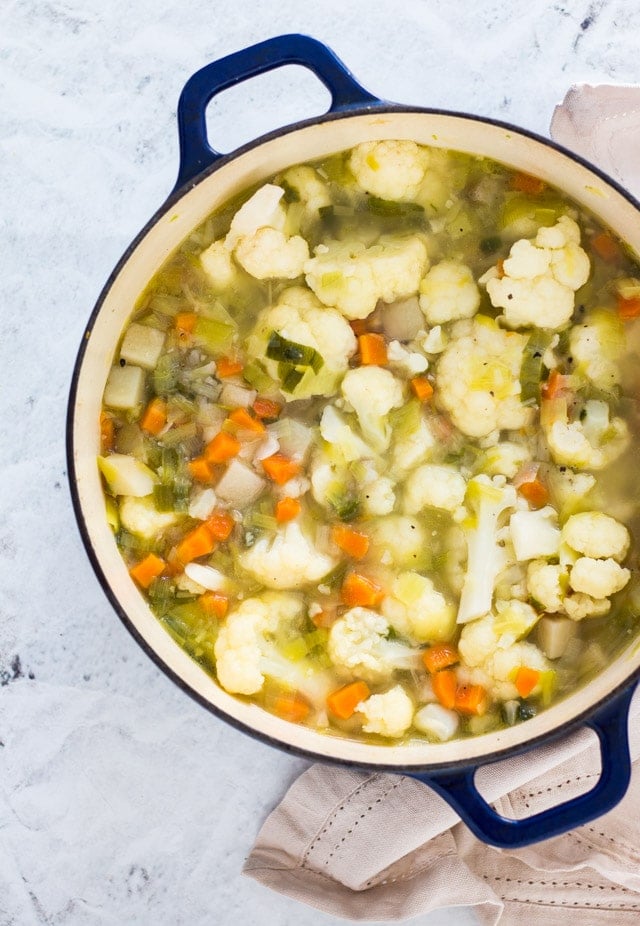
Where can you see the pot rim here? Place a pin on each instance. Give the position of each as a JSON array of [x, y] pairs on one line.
[[562, 729]]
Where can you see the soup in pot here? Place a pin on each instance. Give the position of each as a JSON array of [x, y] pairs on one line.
[[369, 444]]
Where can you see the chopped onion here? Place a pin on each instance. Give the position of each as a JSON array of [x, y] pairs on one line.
[[240, 485], [206, 576]]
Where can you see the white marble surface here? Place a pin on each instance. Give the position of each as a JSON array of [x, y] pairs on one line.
[[122, 801]]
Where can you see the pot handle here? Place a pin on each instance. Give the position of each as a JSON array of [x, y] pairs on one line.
[[459, 790], [195, 151]]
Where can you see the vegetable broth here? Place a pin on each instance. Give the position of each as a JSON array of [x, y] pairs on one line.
[[368, 444]]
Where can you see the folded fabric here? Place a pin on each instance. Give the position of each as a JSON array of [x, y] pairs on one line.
[[385, 847]]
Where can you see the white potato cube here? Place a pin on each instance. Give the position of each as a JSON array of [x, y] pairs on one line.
[[127, 476], [124, 388], [142, 345], [240, 486]]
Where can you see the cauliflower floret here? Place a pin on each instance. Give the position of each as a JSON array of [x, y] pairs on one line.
[[378, 493], [435, 341], [141, 517], [401, 540], [335, 429], [407, 362], [389, 714], [539, 280], [504, 459], [269, 254], [411, 449], [547, 584], [591, 443], [434, 486], [256, 236], [579, 606], [241, 643], [312, 191], [596, 534], [598, 578], [358, 644], [478, 379], [417, 610], [218, 264], [299, 317], [481, 638], [372, 392], [487, 502], [504, 664], [390, 169], [286, 559], [535, 533], [353, 278], [596, 345], [448, 292]]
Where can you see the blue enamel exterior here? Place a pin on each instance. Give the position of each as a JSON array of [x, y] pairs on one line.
[[459, 789], [196, 154], [457, 785]]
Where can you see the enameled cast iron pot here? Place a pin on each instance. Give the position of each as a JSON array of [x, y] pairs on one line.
[[206, 180]]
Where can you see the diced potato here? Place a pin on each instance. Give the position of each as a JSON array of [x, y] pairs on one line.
[[142, 345], [127, 476], [240, 486], [553, 635], [436, 721], [124, 388]]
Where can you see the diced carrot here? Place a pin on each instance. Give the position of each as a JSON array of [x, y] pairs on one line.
[[266, 409], [242, 419], [535, 492], [470, 699], [440, 656], [226, 366], [222, 448], [628, 308], [525, 183], [291, 707], [360, 590], [107, 432], [344, 701], [155, 416], [606, 247], [287, 509], [198, 542], [373, 349], [185, 322], [147, 570], [214, 604], [220, 524], [200, 469], [444, 686], [526, 680], [555, 385], [421, 388], [353, 542], [280, 468], [358, 326]]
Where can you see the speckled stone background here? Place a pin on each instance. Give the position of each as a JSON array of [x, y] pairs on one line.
[[121, 801]]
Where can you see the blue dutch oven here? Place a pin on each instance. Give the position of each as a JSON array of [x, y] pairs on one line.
[[206, 180]]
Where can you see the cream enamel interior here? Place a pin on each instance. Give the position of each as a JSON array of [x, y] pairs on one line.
[[302, 144]]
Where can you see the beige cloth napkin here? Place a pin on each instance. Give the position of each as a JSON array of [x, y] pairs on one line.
[[386, 847]]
